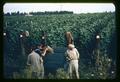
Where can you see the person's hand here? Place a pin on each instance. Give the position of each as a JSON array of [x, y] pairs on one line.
[[28, 64], [46, 49]]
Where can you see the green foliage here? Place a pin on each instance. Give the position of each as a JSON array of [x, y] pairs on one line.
[[60, 74], [16, 75], [50, 76], [102, 65], [100, 69], [84, 28], [24, 74], [27, 74], [56, 25]]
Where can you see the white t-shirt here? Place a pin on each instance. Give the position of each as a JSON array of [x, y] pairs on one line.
[[72, 54]]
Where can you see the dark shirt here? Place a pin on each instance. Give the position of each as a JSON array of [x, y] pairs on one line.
[[38, 51]]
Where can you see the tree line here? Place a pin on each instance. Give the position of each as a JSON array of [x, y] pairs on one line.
[[37, 13]]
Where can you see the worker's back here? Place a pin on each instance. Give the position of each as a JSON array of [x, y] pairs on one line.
[[34, 60]]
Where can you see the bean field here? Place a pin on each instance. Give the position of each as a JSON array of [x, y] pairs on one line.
[[84, 28]]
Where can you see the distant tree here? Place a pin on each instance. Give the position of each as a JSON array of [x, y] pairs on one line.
[[7, 14]]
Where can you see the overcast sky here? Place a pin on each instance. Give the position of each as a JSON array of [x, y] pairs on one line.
[[75, 7]]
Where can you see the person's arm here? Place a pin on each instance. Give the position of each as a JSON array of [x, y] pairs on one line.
[[28, 61], [41, 60], [43, 54], [78, 55], [67, 57]]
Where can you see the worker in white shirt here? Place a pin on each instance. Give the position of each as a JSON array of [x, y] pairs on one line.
[[72, 56]]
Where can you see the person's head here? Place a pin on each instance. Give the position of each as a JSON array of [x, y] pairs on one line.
[[71, 46], [41, 46], [38, 45], [33, 47]]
